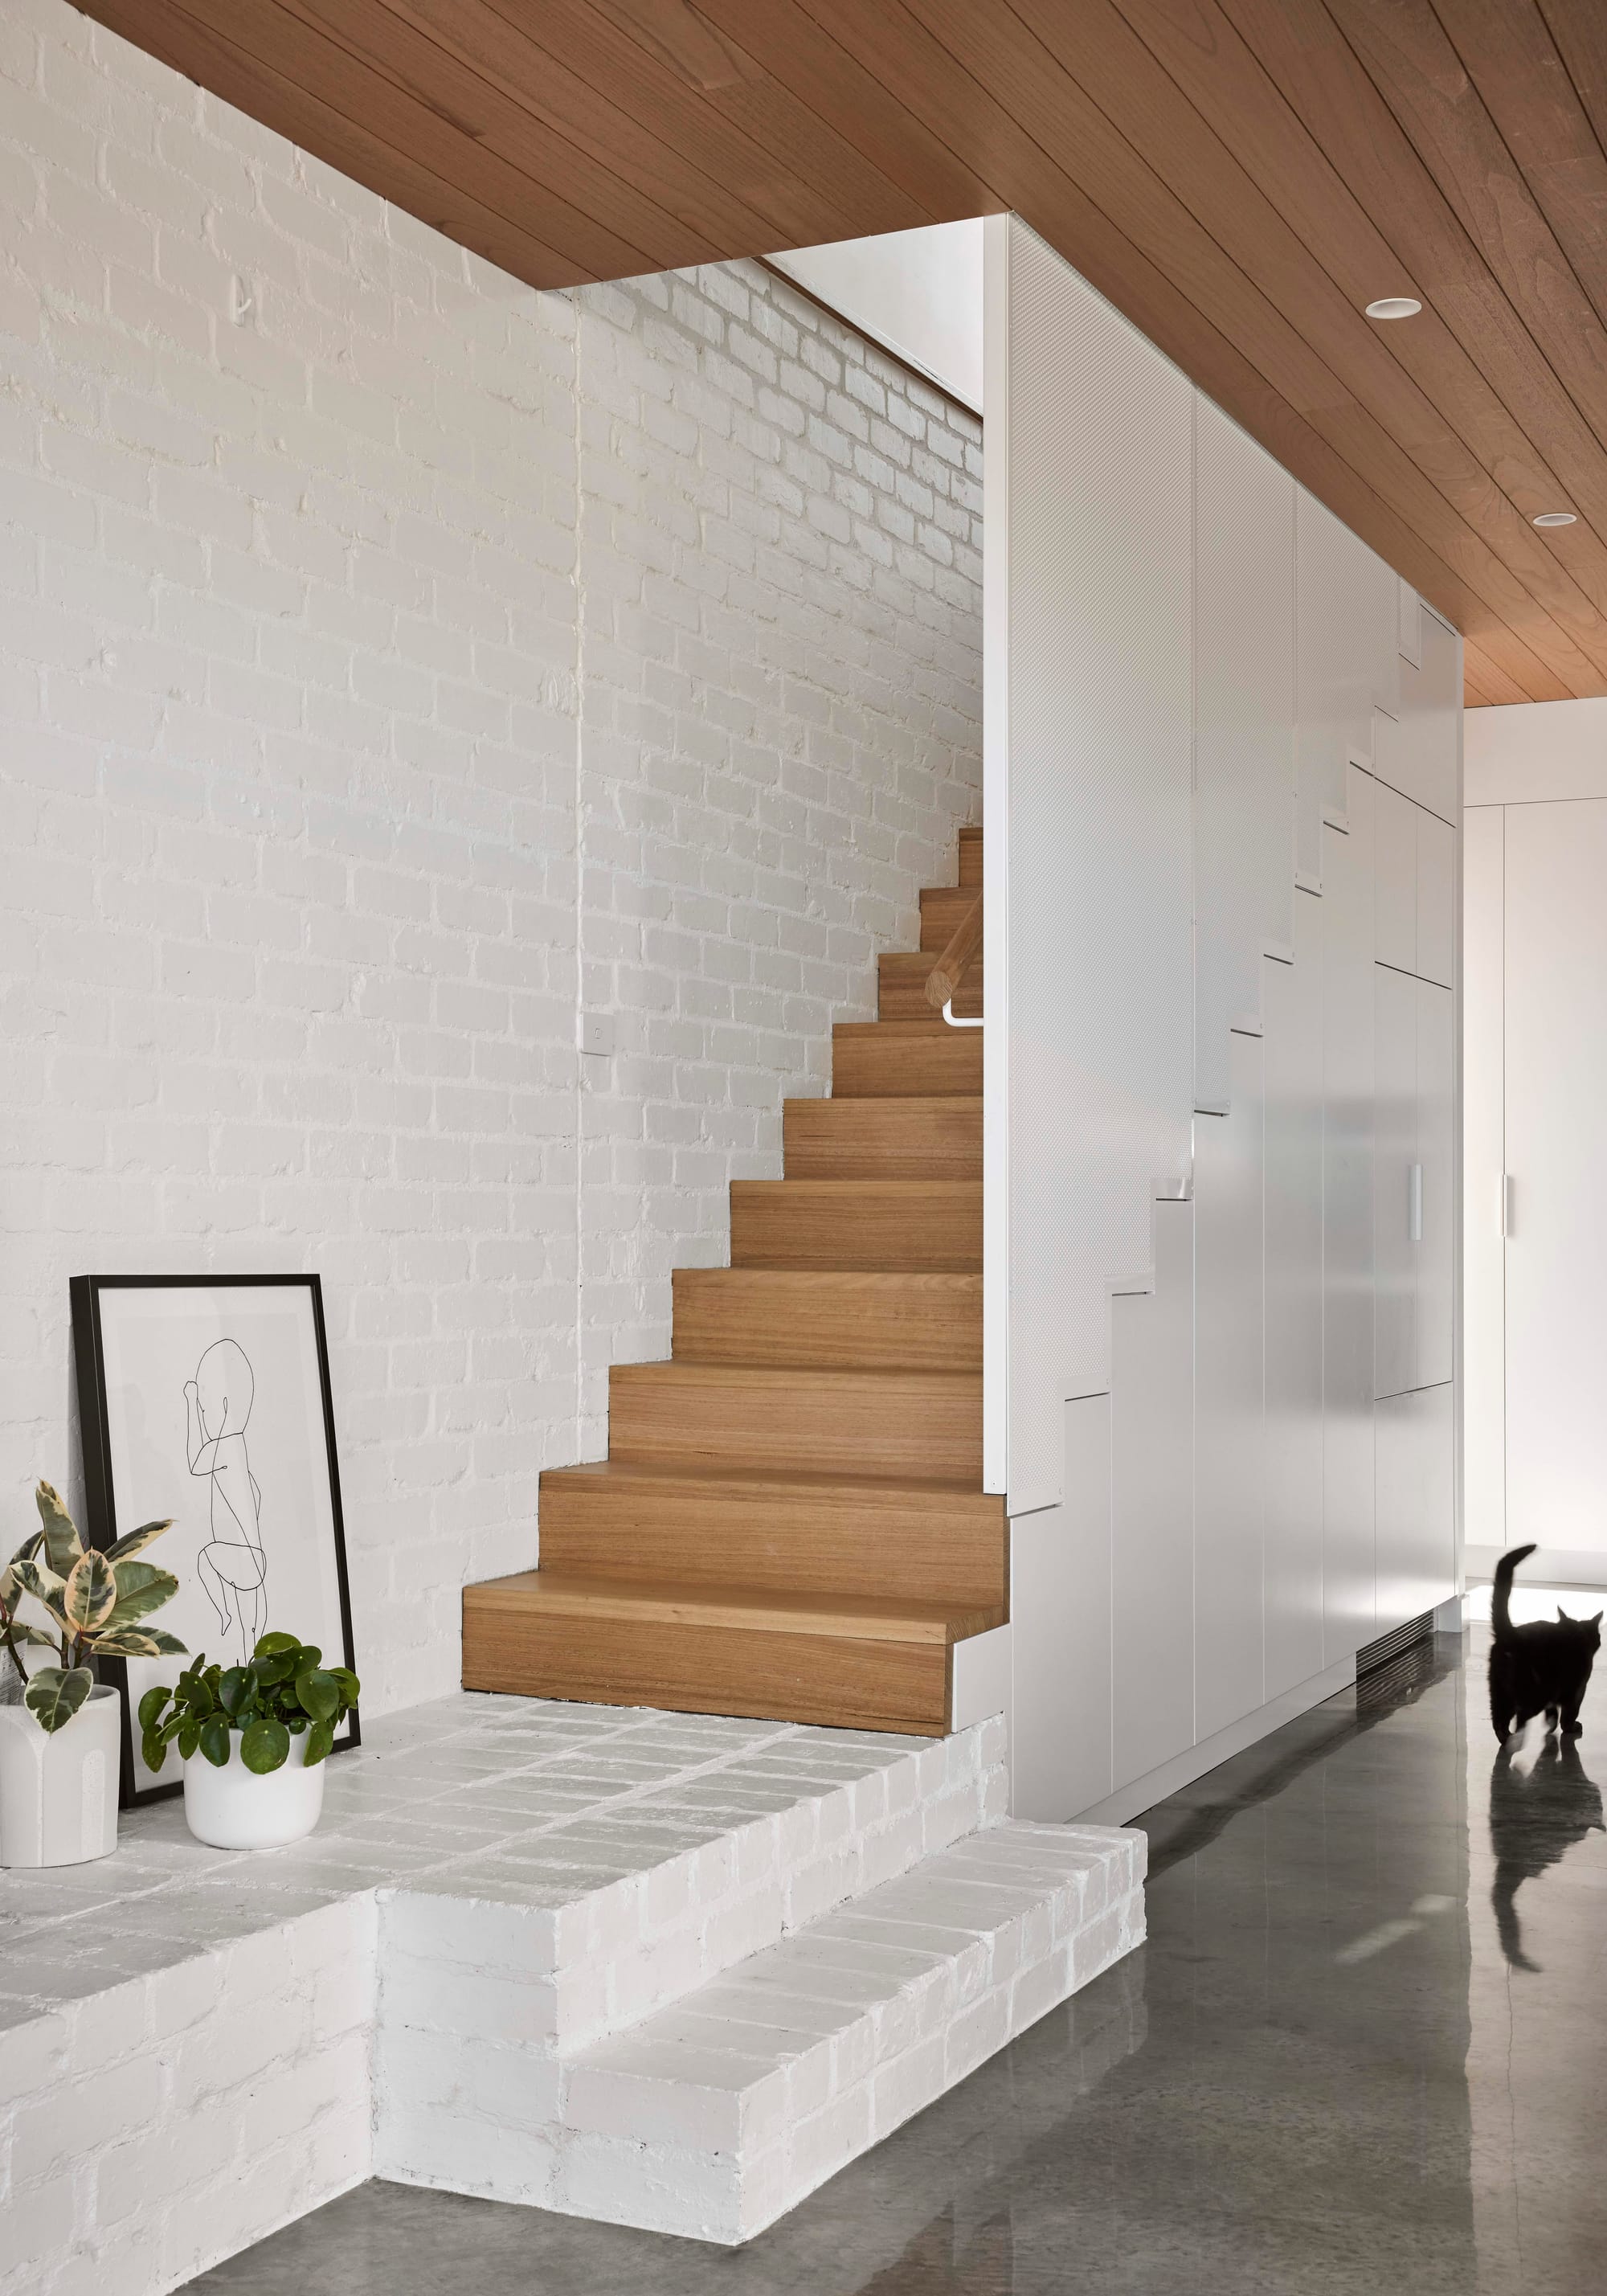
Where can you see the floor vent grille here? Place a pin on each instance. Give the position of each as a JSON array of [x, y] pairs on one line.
[[1373, 1655]]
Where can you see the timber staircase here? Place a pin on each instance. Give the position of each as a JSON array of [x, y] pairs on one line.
[[791, 1519]]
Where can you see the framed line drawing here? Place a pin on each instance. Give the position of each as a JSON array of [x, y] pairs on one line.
[[207, 1399]]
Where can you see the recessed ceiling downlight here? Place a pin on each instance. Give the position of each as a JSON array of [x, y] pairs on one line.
[[1556, 518], [1394, 307]]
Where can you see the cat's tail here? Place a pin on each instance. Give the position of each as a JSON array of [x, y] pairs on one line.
[[1501, 1617]]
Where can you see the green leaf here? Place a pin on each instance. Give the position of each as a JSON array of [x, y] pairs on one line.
[[270, 1645], [138, 1642], [30, 1635], [26, 1552], [35, 1578], [199, 1694], [320, 1738], [236, 1689], [215, 1739], [264, 1745], [350, 1687], [141, 1588], [128, 1642], [189, 1738], [151, 1705], [90, 1593], [319, 1693], [62, 1545], [154, 1750], [278, 1666], [53, 1696], [122, 1547]]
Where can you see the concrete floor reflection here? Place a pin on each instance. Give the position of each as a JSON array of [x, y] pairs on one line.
[[1361, 2051]]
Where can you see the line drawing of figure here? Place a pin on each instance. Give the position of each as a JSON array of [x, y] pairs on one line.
[[234, 1567]]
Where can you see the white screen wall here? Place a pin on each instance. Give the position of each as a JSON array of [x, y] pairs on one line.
[[1221, 789]]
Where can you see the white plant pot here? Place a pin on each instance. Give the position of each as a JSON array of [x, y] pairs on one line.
[[234, 1809], [57, 1789]]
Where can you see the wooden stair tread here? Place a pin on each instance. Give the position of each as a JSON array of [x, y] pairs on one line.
[[934, 1224], [771, 1481], [871, 1059], [908, 1319], [753, 1609], [787, 1378]]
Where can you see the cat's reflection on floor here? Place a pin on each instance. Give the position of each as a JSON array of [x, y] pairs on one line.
[[1535, 1816]]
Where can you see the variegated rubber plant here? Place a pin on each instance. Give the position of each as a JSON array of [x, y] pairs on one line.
[[95, 1606]]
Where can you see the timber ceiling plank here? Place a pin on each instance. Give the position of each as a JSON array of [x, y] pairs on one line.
[[288, 39], [1510, 56], [575, 117], [836, 85], [1404, 51], [891, 42], [752, 133], [1205, 55], [1240, 176], [1179, 145], [1032, 87], [414, 56]]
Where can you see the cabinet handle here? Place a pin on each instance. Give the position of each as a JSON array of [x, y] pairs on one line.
[[1414, 1204], [1506, 1204]]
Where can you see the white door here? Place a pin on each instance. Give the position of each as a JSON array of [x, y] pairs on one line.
[[1556, 1051]]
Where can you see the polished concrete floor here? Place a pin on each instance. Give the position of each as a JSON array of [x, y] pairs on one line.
[[1362, 2052]]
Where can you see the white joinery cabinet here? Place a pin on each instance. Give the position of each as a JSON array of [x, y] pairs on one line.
[[1415, 894], [1413, 1228], [1416, 1511]]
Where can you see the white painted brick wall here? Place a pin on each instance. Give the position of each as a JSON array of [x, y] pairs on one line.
[[150, 2130], [388, 655]]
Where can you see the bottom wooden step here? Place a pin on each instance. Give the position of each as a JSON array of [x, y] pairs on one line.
[[855, 1664]]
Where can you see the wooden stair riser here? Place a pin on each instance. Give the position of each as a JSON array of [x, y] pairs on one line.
[[904, 1059], [934, 1226], [926, 1424], [698, 1669], [901, 981], [943, 909], [937, 1138], [828, 1317], [620, 1520], [971, 858]]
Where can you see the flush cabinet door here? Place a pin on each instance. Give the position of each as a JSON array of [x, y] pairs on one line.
[[1395, 1255], [1432, 1248], [1416, 1515]]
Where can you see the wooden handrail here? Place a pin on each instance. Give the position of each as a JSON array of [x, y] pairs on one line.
[[943, 982]]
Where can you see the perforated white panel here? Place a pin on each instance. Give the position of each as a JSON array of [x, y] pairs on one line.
[[1100, 988], [1184, 655], [1243, 734], [1348, 657]]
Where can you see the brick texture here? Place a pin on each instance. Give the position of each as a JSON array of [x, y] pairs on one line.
[[393, 659]]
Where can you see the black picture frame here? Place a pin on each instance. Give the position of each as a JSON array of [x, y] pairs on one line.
[[102, 1526]]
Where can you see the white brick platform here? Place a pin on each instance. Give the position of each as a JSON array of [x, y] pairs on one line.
[[670, 1970]]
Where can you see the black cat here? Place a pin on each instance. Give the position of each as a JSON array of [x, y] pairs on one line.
[[1540, 1669]]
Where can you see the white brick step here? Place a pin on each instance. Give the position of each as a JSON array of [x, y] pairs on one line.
[[714, 2116]]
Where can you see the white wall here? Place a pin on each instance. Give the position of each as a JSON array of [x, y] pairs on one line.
[[1535, 1246], [389, 656], [1221, 933], [918, 291]]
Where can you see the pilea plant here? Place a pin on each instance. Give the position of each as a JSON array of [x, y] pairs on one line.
[[286, 1690], [94, 1605]]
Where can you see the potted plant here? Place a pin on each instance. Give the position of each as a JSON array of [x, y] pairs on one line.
[[252, 1740], [59, 1744]]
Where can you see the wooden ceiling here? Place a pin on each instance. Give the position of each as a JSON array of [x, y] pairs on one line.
[[1240, 176]]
